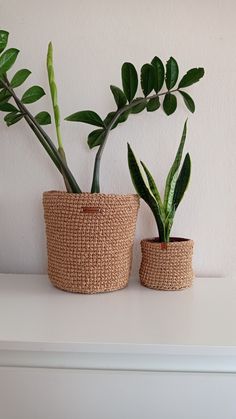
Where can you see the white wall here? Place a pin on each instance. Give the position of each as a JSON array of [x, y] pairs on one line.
[[91, 41]]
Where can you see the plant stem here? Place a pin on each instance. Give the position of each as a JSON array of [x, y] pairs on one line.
[[96, 172], [45, 140]]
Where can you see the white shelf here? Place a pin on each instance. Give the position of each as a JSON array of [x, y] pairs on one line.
[[132, 329]]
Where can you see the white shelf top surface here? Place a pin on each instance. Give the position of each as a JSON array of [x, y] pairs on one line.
[[38, 321]]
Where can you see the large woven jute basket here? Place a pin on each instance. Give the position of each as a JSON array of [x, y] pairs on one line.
[[166, 266], [89, 240]]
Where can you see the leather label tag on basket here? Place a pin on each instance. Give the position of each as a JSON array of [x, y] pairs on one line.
[[91, 210]]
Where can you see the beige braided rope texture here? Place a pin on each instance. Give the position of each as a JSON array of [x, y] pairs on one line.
[[89, 240], [166, 266]]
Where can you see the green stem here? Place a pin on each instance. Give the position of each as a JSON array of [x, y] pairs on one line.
[[50, 145], [96, 172]]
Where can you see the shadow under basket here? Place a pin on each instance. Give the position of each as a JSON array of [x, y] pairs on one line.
[[166, 266], [89, 240]]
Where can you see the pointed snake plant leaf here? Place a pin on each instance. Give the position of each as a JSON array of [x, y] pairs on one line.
[[43, 118], [188, 101], [153, 189], [147, 78], [169, 104], [33, 94], [96, 138], [168, 223], [88, 117], [143, 191], [153, 104], [173, 174], [172, 73], [159, 74], [3, 40], [119, 96], [7, 59], [182, 181], [191, 77], [129, 80], [20, 77]]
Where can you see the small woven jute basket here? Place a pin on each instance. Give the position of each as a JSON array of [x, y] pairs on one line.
[[89, 240], [166, 266]]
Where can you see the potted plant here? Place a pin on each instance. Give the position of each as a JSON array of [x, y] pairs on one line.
[[89, 234], [166, 261]]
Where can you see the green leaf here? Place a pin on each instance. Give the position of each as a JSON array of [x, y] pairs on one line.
[[110, 116], [96, 138], [129, 80], [8, 107], [188, 101], [123, 117], [4, 96], [3, 40], [169, 103], [140, 106], [153, 104], [172, 73], [191, 77], [182, 181], [143, 191], [153, 188], [159, 74], [147, 78], [173, 173], [12, 118], [119, 96], [33, 94], [20, 77], [7, 59], [88, 117], [43, 118]]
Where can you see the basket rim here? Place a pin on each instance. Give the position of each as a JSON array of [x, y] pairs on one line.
[[174, 241], [96, 194]]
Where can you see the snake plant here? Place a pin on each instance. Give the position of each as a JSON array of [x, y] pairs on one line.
[[153, 78], [176, 184]]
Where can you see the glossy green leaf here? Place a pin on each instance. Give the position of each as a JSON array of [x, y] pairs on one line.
[[188, 101], [159, 74], [96, 138], [110, 116], [33, 94], [123, 117], [182, 181], [4, 96], [129, 80], [7, 107], [88, 117], [143, 191], [119, 96], [139, 107], [3, 40], [20, 77], [169, 103], [7, 59], [172, 73], [173, 174], [153, 104], [191, 77], [43, 118], [12, 118], [147, 78]]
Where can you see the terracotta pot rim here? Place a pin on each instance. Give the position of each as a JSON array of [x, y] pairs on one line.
[[154, 241], [96, 194]]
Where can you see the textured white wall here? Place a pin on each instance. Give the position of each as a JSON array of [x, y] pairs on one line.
[[91, 41]]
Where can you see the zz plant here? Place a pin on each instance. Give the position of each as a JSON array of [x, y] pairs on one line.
[[157, 81], [175, 187]]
